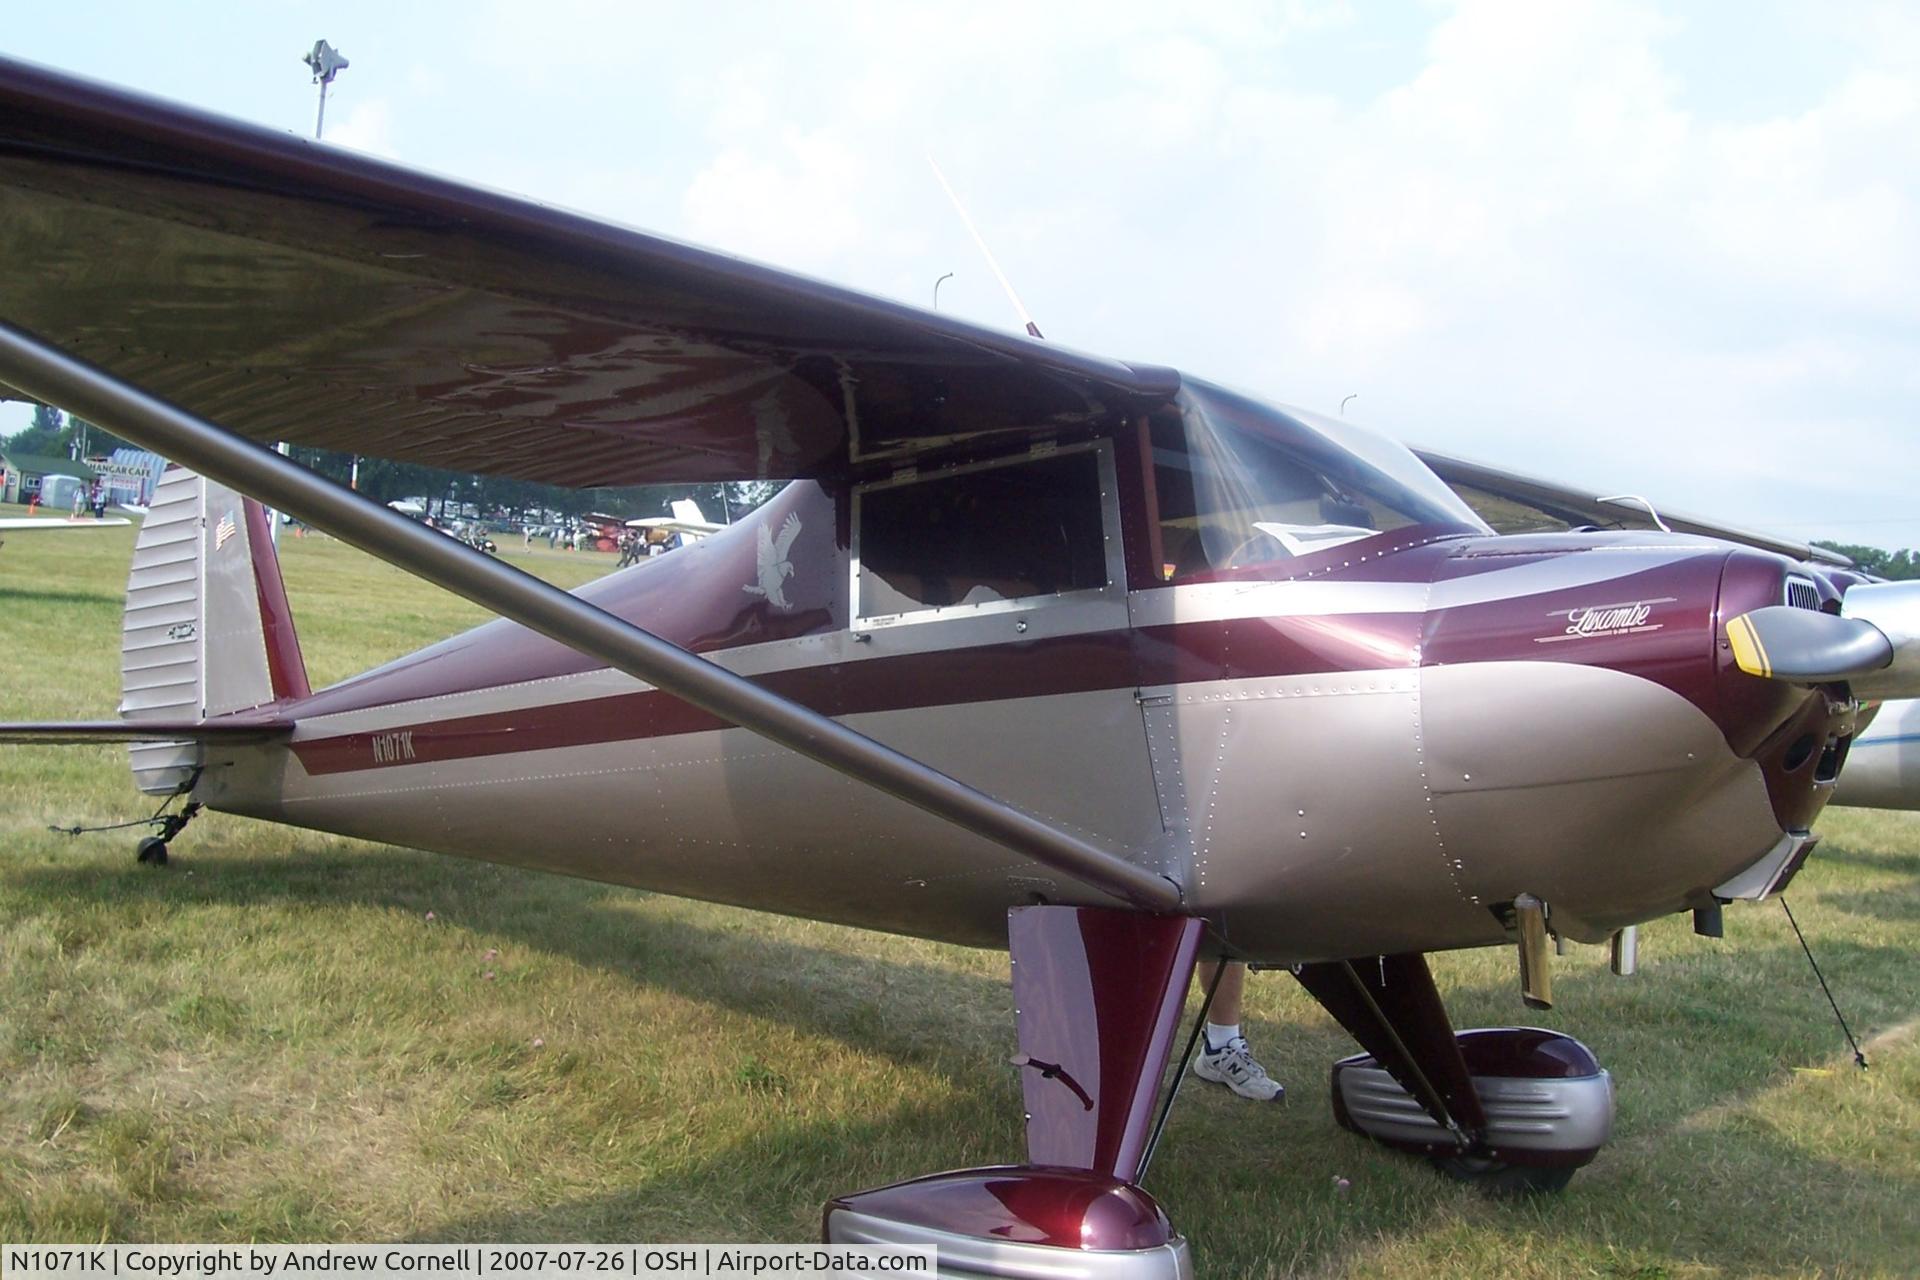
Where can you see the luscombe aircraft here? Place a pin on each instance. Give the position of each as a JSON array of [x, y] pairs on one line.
[[1093, 660]]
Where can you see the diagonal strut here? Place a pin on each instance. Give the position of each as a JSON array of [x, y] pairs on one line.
[[45, 372]]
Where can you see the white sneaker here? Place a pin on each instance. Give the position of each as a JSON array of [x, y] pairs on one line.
[[1233, 1065]]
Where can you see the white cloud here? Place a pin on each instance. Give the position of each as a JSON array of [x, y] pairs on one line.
[[1583, 237], [366, 126]]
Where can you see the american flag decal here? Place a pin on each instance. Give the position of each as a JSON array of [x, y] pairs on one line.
[[224, 530]]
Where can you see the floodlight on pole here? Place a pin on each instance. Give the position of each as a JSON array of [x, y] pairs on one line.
[[325, 62]]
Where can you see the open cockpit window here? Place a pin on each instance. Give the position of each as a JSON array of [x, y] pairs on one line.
[[978, 536], [1241, 484]]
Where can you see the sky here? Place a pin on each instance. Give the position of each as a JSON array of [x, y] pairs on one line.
[[1663, 249]]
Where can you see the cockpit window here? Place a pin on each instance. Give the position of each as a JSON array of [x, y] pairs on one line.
[[1240, 483], [981, 535]]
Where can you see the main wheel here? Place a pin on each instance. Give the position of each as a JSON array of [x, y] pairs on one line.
[[151, 851], [1498, 1178]]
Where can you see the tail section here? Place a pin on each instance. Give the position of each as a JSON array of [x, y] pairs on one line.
[[207, 630]]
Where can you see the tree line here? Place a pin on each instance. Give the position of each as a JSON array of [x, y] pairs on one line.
[[55, 434], [1899, 566]]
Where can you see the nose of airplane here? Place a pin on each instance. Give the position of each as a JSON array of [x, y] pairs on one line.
[[1872, 642], [1784, 656], [1581, 692]]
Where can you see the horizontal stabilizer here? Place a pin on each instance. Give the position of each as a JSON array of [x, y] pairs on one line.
[[61, 733]]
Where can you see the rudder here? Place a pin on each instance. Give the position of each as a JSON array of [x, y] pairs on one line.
[[206, 629]]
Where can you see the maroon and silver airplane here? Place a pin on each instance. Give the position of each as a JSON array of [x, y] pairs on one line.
[[1093, 660]]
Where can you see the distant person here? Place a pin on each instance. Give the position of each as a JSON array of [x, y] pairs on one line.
[[1225, 1058]]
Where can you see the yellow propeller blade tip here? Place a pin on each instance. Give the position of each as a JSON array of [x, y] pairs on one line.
[[1748, 652]]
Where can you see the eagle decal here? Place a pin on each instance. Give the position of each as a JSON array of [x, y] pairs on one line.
[[773, 567]]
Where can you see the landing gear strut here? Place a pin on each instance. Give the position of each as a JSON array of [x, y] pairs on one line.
[[152, 851], [1513, 1110]]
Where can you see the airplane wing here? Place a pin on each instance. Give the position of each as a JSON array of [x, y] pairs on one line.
[[293, 291], [35, 525], [1514, 503], [697, 529]]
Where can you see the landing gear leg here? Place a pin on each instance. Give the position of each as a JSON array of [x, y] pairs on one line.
[[1512, 1110], [152, 851]]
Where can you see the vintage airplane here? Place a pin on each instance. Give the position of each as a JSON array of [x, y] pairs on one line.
[[687, 521], [1883, 763], [1093, 660], [41, 524]]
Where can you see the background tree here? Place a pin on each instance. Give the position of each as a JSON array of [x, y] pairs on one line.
[[1900, 566], [53, 434]]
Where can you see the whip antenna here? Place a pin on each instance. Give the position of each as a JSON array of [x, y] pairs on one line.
[[1025, 318], [1845, 1030]]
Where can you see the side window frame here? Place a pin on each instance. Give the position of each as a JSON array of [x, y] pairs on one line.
[[1114, 552]]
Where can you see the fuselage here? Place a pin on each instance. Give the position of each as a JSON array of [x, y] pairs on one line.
[[1253, 650]]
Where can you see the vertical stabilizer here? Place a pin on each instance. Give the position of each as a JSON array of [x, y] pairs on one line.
[[206, 629]]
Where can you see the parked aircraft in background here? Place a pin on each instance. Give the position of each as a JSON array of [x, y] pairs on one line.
[[1093, 660], [31, 524], [687, 520], [1883, 770]]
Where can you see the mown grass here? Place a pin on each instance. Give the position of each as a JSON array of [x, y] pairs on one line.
[[286, 1036]]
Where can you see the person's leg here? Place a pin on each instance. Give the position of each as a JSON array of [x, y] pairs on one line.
[[1223, 1018], [1226, 1059]]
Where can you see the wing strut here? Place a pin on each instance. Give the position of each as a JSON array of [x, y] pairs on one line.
[[49, 374]]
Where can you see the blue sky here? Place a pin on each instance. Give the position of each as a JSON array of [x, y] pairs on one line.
[[1665, 249]]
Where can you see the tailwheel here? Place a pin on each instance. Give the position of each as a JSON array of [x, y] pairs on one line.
[[151, 852], [1501, 1178]]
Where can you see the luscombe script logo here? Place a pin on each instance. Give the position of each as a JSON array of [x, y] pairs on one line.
[[1592, 622]]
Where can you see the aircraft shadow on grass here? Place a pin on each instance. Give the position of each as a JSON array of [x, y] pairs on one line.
[[801, 1163], [18, 596]]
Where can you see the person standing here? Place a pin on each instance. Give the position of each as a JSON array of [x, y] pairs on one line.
[[1225, 1058]]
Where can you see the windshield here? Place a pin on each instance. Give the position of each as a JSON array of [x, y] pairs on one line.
[[1241, 483]]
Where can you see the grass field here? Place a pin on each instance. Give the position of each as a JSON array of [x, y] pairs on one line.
[[286, 1036]]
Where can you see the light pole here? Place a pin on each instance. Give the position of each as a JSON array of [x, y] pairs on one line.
[[325, 62]]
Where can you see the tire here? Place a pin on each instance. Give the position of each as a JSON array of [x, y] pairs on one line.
[[151, 852], [1498, 1178]]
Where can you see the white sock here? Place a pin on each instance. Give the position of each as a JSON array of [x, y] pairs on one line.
[[1220, 1035]]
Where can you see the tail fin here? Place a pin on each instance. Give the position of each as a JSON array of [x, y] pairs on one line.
[[207, 629]]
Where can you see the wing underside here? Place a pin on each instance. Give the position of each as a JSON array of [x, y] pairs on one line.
[[290, 290]]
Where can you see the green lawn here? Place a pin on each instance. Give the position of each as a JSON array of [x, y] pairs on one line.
[[273, 1039]]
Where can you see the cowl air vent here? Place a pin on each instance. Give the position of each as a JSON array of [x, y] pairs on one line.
[[1802, 594]]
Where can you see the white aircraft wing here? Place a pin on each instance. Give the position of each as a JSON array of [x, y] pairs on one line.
[[25, 524]]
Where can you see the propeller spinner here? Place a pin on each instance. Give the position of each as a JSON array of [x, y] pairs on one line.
[[1873, 642]]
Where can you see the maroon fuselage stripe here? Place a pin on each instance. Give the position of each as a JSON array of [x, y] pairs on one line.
[[1150, 656]]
